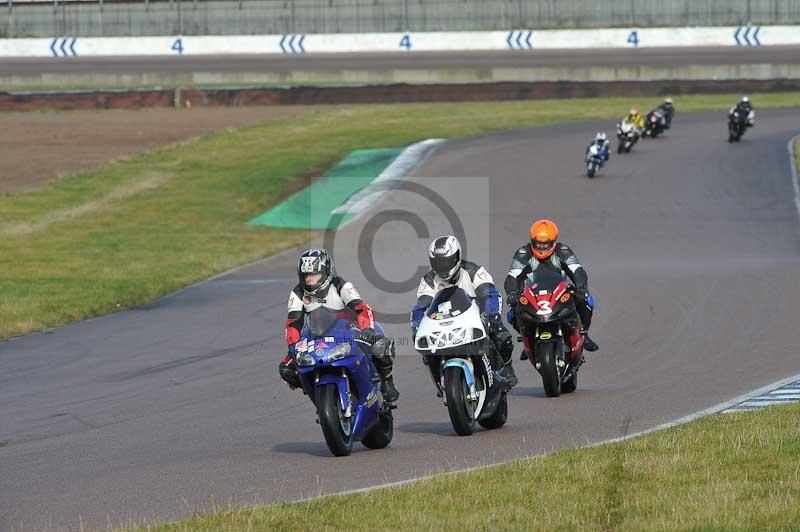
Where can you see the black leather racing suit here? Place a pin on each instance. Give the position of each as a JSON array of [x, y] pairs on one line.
[[564, 260]]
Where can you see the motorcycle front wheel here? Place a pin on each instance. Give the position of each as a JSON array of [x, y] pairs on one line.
[[459, 406], [336, 428], [546, 356]]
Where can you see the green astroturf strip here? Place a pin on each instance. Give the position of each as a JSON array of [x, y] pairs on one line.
[[311, 207]]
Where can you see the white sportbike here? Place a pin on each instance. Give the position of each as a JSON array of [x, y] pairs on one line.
[[463, 362]]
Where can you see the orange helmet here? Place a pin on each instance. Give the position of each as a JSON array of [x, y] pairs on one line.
[[544, 234]]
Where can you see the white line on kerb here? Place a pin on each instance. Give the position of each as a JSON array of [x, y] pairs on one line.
[[400, 168], [793, 170]]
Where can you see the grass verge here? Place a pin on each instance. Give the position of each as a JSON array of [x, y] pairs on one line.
[[138, 228], [724, 472]]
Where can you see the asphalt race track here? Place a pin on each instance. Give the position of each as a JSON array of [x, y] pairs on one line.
[[692, 250], [652, 57]]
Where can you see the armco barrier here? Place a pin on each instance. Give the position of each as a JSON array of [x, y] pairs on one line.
[[378, 94], [517, 40]]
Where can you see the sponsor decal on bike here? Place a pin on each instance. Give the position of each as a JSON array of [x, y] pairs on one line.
[[489, 372], [523, 300], [564, 298], [545, 336], [371, 399]]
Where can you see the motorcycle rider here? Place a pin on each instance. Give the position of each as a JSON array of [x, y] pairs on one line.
[[668, 108], [745, 108], [320, 286], [449, 268], [634, 117], [602, 142], [545, 251]]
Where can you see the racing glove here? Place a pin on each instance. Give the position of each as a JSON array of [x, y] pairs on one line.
[[512, 297]]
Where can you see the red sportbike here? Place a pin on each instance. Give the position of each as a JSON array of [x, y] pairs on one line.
[[546, 317]]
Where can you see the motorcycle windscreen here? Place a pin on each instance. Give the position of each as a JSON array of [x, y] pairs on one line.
[[449, 303], [320, 321], [544, 279]]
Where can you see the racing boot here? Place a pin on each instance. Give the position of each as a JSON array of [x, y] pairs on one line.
[[384, 363], [507, 372], [588, 343], [505, 348], [389, 392]]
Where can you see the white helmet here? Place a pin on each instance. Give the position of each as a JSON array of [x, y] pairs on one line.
[[445, 258], [668, 99], [745, 99], [600, 137]]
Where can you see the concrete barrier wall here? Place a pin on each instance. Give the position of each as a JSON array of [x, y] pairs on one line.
[[255, 17], [517, 41]]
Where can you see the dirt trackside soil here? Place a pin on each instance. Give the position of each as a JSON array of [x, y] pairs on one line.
[[38, 147]]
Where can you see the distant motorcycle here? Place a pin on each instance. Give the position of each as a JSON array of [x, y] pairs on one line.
[[463, 362], [628, 136], [655, 123], [337, 373], [595, 159], [737, 125], [547, 318]]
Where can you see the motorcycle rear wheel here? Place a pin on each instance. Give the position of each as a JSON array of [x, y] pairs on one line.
[[336, 428], [460, 408], [500, 416], [546, 355], [381, 434]]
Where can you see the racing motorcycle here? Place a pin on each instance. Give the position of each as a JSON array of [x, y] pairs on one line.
[[595, 159], [337, 373], [654, 123], [628, 135], [463, 362], [737, 125], [547, 318]]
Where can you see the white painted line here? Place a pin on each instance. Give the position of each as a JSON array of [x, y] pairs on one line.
[[793, 170], [365, 198]]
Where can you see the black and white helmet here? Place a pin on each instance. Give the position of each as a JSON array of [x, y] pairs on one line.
[[315, 261], [445, 257], [745, 99], [601, 137]]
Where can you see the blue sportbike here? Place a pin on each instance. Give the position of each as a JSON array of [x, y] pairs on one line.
[[337, 373]]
